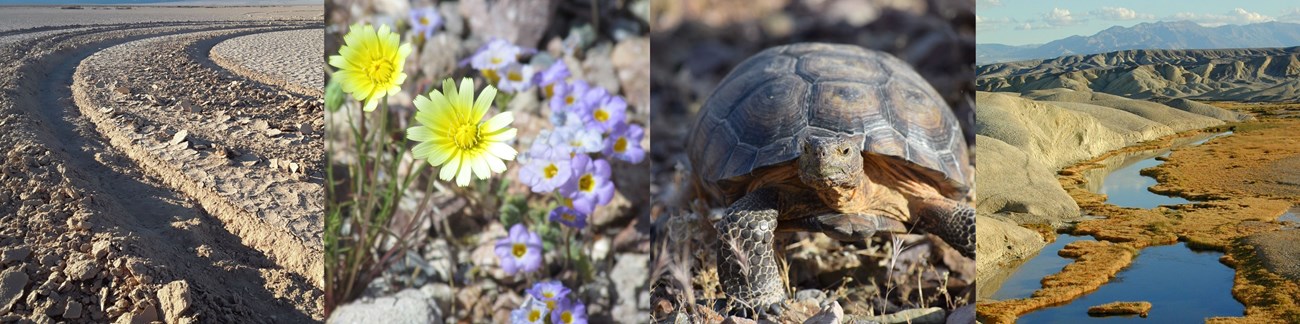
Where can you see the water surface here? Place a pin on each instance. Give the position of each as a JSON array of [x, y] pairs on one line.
[[1028, 277], [1183, 286], [1125, 186]]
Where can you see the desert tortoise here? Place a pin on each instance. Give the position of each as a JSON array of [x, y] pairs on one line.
[[828, 138]]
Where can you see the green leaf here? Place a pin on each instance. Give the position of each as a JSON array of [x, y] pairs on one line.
[[334, 95]]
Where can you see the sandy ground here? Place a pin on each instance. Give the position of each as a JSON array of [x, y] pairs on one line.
[[106, 217], [246, 55]]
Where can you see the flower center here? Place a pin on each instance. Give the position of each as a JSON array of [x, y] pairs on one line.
[[515, 76], [569, 217], [424, 21], [600, 115], [380, 71], [550, 90], [586, 182], [466, 136], [566, 317], [620, 145], [550, 304], [535, 315], [568, 100], [496, 60], [491, 75], [518, 250], [550, 171]]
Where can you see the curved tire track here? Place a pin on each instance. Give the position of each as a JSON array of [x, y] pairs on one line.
[[125, 203]]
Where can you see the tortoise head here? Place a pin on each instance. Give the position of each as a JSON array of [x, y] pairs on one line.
[[831, 162]]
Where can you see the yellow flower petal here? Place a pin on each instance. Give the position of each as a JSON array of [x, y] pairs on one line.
[[449, 169], [501, 135], [423, 150], [502, 151], [496, 123], [465, 100], [419, 134], [480, 167], [495, 164], [462, 175], [484, 102]]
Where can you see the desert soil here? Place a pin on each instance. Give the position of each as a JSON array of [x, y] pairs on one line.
[[142, 181]]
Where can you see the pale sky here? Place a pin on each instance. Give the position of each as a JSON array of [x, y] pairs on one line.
[[1020, 22]]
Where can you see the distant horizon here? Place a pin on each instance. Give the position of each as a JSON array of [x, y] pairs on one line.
[[1131, 26], [1024, 22]]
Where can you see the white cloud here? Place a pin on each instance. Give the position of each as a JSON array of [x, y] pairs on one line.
[[1235, 16], [1026, 26], [995, 3], [1290, 15], [1059, 17], [1119, 13], [991, 23]]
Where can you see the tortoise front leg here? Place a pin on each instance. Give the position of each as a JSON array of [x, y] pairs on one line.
[[746, 260], [951, 220]]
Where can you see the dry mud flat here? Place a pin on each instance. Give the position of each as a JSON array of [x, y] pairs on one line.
[[141, 181]]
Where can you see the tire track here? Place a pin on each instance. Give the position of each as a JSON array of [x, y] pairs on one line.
[[92, 193]]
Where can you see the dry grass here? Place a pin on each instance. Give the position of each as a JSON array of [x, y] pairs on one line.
[[1121, 308]]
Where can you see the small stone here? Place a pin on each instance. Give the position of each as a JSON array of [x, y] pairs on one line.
[[12, 283], [273, 132], [122, 90], [179, 137], [16, 254], [293, 167], [100, 249], [234, 103], [81, 270], [174, 298], [73, 311], [305, 129]]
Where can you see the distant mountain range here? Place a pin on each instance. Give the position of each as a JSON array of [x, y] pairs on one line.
[[1252, 75], [1158, 35]]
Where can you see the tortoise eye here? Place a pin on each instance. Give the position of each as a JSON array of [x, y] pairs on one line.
[[844, 151]]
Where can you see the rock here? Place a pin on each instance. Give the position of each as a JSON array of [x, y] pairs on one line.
[[1000, 242], [1120, 308], [598, 70], [629, 58], [1047, 133], [273, 132], [407, 306], [122, 90], [1010, 180], [145, 315], [16, 254], [100, 249], [179, 137], [12, 283], [174, 298], [932, 315], [235, 103], [1177, 119], [628, 277], [522, 22], [738, 320], [831, 314], [73, 310], [81, 270], [305, 129], [293, 167], [962, 315]]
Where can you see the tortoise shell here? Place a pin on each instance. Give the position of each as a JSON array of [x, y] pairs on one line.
[[762, 111]]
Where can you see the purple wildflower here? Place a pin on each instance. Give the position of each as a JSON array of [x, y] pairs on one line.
[[520, 251], [516, 78], [550, 292], [569, 312], [425, 21], [553, 76], [569, 216], [590, 185], [624, 143], [547, 168], [533, 311], [609, 111], [494, 55]]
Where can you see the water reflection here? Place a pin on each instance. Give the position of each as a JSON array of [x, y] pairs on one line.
[[1124, 185], [1029, 276]]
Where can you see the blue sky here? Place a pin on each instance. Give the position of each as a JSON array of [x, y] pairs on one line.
[[1019, 22]]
